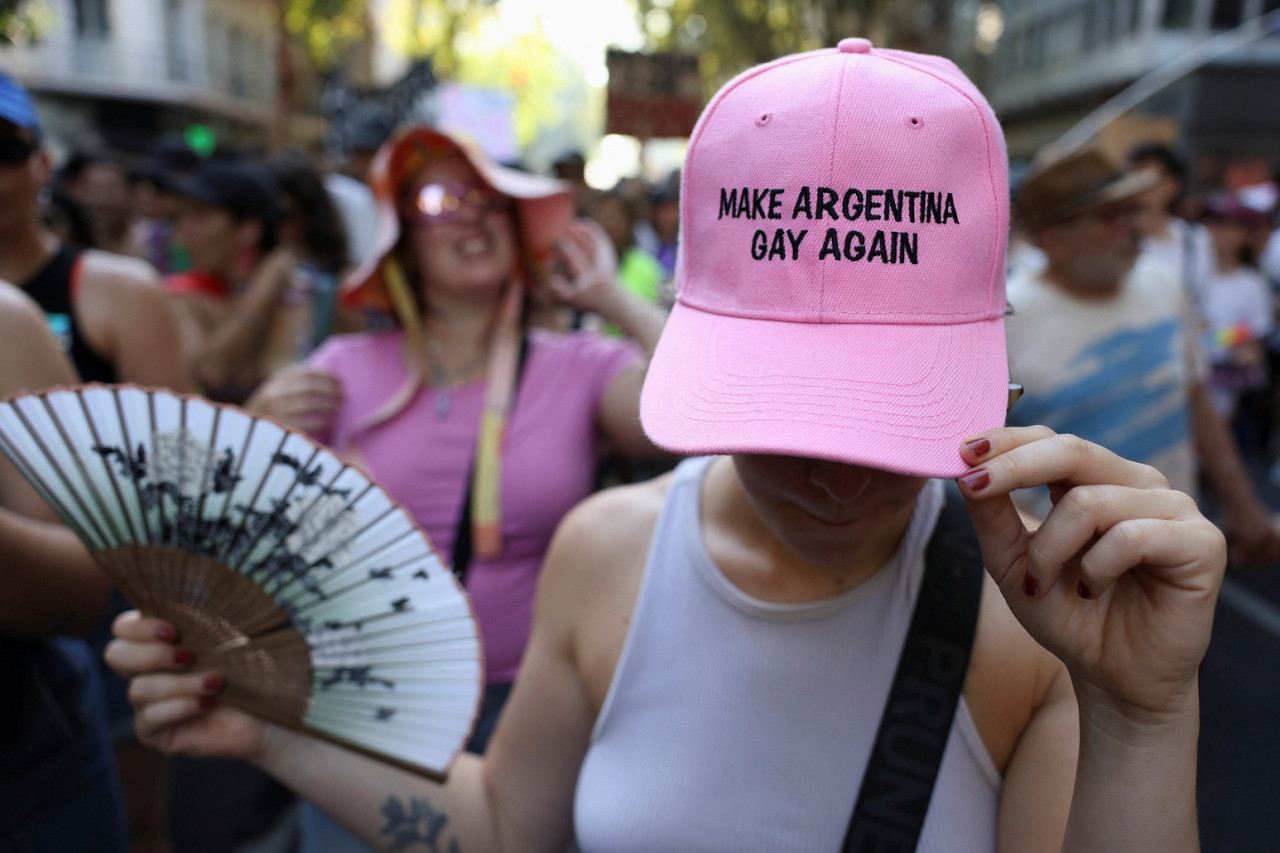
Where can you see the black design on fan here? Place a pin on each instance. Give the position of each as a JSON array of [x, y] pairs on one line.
[[131, 467], [360, 676], [226, 537]]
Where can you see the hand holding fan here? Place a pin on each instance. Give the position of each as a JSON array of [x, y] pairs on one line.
[[292, 574]]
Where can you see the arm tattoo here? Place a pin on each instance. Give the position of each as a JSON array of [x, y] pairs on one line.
[[415, 823]]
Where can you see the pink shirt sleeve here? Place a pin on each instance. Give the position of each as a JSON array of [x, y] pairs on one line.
[[423, 458], [596, 359]]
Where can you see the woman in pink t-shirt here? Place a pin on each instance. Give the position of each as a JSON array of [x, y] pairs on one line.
[[463, 385]]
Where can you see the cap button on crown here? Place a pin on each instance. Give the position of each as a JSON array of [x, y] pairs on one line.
[[854, 46]]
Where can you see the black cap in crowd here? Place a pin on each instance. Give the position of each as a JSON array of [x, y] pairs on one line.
[[245, 190], [166, 162], [368, 126]]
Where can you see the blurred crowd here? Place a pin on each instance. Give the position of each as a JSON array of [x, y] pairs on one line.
[[1141, 317], [1218, 248], [252, 249], [326, 294]]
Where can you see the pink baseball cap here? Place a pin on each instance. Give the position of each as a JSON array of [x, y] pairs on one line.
[[840, 285]]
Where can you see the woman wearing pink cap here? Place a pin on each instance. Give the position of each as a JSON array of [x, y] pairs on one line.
[[791, 645]]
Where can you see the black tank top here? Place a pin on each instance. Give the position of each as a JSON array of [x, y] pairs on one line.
[[51, 289]]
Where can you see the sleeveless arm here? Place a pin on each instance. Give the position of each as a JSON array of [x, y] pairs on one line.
[[130, 320], [49, 585], [32, 360], [230, 352], [1036, 795], [613, 372]]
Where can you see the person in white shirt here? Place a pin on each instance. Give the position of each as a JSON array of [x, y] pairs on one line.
[[1107, 349], [1238, 309], [1184, 247]]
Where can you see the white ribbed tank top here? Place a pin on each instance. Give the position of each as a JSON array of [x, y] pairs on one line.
[[734, 724]]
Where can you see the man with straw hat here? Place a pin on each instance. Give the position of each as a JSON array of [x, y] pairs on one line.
[[717, 656], [1103, 343]]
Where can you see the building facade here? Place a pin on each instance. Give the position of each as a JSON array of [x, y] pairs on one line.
[[121, 72], [1054, 61]]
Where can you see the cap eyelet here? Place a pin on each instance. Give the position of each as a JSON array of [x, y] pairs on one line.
[[915, 121], [763, 119]]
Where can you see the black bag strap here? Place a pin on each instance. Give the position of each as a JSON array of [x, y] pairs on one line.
[[900, 776], [462, 543]]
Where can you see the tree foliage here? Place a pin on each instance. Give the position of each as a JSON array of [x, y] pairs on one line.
[[530, 69], [432, 28], [327, 29], [413, 28], [731, 35], [24, 21]]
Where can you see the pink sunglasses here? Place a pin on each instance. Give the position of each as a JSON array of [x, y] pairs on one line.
[[438, 204]]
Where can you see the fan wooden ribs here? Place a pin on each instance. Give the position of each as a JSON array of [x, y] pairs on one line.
[[265, 661]]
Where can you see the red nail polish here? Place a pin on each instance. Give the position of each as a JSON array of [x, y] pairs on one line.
[[213, 683], [166, 634], [977, 479], [205, 701], [979, 447], [1083, 591], [1029, 586], [182, 657]]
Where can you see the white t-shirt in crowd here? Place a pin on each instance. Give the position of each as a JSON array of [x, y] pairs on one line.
[[359, 213], [1237, 306], [1270, 260], [1188, 253], [1237, 309], [1117, 370]]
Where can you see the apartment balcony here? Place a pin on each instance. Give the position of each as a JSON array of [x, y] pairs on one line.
[[223, 70], [1055, 51]]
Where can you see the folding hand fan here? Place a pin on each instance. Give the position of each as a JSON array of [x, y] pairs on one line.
[[288, 571]]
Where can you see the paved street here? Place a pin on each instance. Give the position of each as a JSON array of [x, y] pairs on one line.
[[1240, 700], [1240, 738]]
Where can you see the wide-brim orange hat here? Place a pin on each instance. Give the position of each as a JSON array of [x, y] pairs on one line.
[[544, 206]]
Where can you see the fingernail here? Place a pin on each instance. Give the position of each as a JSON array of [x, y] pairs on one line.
[[182, 657], [205, 701], [977, 479], [166, 633], [1029, 586], [213, 683], [979, 447], [1083, 591]]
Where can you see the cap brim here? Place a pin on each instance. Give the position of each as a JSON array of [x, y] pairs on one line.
[[1124, 187], [1127, 187], [897, 398], [155, 173], [196, 190]]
